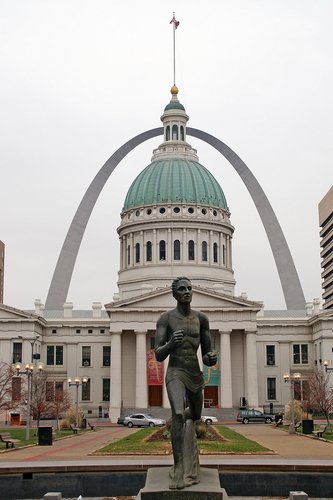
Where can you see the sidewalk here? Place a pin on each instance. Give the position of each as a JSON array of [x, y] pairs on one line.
[[73, 454], [285, 448]]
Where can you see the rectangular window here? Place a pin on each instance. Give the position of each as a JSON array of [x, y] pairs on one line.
[[270, 355], [78, 331], [17, 352], [86, 355], [16, 388], [86, 391], [55, 355], [50, 355], [271, 388], [106, 355], [54, 331], [59, 355], [49, 391], [53, 389], [102, 331], [152, 342], [90, 332], [59, 387], [106, 389], [300, 354]]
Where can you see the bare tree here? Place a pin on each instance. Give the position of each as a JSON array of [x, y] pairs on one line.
[[9, 398], [321, 393], [59, 400], [38, 402]]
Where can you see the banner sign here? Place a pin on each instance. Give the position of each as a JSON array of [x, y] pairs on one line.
[[212, 373], [155, 370]]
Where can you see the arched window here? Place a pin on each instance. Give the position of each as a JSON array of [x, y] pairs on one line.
[[204, 251], [182, 134], [137, 252], [149, 251], [176, 250], [215, 252], [174, 133], [191, 250], [167, 133], [223, 254], [162, 250], [128, 255]]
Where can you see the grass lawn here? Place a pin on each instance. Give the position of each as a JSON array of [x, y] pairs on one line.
[[137, 444], [19, 433]]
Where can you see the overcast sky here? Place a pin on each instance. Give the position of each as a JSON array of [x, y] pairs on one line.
[[81, 77]]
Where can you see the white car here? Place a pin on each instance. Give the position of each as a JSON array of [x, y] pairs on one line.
[[142, 420], [209, 420]]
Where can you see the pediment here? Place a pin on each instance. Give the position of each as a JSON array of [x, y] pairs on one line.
[[203, 298], [8, 313]]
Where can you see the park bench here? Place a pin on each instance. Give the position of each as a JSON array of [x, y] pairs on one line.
[[74, 428], [92, 426], [319, 433], [297, 425], [5, 437], [278, 422]]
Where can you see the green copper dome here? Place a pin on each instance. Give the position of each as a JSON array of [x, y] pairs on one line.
[[175, 181], [174, 105]]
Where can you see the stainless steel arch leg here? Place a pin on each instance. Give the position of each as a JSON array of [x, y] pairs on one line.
[[62, 275]]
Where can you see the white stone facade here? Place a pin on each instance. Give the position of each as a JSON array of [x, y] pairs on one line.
[[240, 334], [111, 346]]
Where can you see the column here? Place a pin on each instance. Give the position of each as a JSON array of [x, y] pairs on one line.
[[211, 254], [251, 370], [230, 252], [169, 247], [225, 368], [141, 399], [184, 249], [115, 377], [154, 249], [197, 249], [220, 250], [142, 249], [227, 252], [121, 260]]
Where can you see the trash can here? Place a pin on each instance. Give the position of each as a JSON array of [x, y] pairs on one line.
[[307, 426], [45, 436]]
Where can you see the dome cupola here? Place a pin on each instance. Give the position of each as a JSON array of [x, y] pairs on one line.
[[175, 218]]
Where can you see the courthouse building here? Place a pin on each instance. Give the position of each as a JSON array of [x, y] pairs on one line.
[[175, 222]]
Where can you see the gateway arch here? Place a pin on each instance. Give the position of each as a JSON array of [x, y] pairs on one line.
[[291, 286]]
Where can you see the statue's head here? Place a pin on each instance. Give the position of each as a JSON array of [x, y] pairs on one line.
[[182, 289]]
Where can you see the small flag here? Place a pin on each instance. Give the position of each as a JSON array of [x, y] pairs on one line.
[[176, 23]]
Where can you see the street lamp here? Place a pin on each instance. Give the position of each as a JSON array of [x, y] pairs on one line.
[[327, 369], [77, 382], [32, 342], [292, 378], [28, 370]]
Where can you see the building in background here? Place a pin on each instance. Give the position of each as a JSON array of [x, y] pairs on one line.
[[2, 270], [326, 243], [175, 222]]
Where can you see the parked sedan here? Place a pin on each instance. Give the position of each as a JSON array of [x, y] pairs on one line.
[[141, 420], [209, 420], [247, 416]]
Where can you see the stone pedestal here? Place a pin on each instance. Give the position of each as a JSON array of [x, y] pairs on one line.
[[157, 486]]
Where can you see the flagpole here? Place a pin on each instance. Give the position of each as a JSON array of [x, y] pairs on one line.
[[174, 50]]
